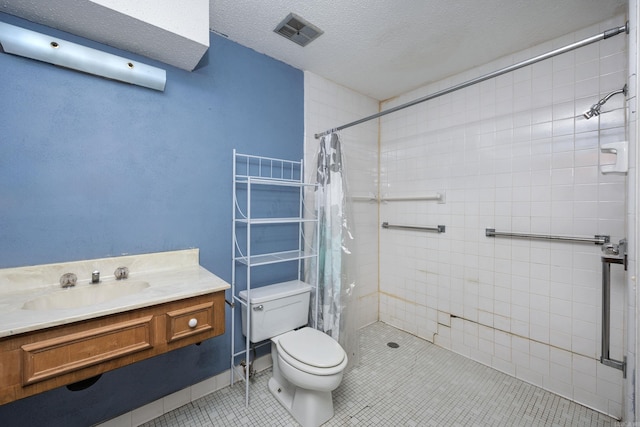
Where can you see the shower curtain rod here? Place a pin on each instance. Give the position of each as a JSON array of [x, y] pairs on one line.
[[602, 36]]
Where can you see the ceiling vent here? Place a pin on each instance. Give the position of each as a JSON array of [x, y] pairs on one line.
[[298, 30]]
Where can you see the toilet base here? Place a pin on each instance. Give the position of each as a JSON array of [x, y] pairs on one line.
[[309, 407]]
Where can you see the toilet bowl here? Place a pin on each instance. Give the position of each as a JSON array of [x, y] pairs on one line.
[[307, 366]]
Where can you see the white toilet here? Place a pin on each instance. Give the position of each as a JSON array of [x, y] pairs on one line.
[[307, 364]]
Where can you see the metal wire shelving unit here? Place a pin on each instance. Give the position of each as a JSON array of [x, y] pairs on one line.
[[251, 174]]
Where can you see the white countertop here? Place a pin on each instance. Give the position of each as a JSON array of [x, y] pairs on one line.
[[171, 276]]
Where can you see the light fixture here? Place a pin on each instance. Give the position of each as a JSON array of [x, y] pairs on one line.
[[30, 44]]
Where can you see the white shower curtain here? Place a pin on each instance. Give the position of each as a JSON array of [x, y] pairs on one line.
[[335, 243]]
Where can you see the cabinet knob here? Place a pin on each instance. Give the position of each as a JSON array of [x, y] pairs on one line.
[[193, 322]]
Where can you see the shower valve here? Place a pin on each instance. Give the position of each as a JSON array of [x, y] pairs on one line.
[[616, 253], [610, 249]]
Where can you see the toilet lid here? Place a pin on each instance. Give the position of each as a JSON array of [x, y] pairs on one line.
[[312, 347]]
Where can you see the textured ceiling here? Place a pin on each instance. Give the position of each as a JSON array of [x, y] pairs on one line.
[[383, 48]]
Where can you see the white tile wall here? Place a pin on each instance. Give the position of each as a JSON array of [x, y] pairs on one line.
[[328, 105], [515, 154], [512, 153], [632, 398]]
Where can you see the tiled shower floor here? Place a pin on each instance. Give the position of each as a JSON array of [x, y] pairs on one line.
[[417, 384]]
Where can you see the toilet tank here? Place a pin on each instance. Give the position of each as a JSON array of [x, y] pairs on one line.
[[276, 309]]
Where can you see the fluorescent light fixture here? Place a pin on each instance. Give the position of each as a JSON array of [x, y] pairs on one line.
[[22, 42]]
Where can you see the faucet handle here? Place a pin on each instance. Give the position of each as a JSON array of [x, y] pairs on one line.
[[121, 273], [68, 280]]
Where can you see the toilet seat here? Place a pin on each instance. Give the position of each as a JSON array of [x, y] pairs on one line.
[[312, 351]]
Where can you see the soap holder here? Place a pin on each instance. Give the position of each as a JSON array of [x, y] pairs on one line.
[[620, 149]]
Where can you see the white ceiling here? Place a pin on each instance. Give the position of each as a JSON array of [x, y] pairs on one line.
[[383, 48], [380, 48]]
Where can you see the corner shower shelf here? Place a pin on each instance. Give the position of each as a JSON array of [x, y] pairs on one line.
[[281, 187]]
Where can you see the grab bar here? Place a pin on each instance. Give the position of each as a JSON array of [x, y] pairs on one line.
[[597, 239], [612, 254], [437, 229], [368, 198], [439, 197]]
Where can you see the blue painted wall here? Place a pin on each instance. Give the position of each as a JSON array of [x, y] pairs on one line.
[[91, 168]]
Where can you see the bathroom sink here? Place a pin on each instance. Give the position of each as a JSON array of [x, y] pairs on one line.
[[85, 295]]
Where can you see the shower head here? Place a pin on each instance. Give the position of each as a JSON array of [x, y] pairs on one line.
[[593, 111], [595, 108]]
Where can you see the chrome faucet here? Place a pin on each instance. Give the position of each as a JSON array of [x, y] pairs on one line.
[[68, 280], [95, 277]]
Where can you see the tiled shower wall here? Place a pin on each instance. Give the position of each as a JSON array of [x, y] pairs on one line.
[[328, 105], [631, 388], [515, 154]]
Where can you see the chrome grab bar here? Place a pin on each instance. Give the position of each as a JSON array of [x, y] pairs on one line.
[[437, 229], [597, 239], [439, 197], [612, 254]]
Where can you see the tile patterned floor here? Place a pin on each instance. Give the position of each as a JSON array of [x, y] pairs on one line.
[[417, 384]]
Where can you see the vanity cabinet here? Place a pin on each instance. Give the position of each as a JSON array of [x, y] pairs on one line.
[[41, 360]]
